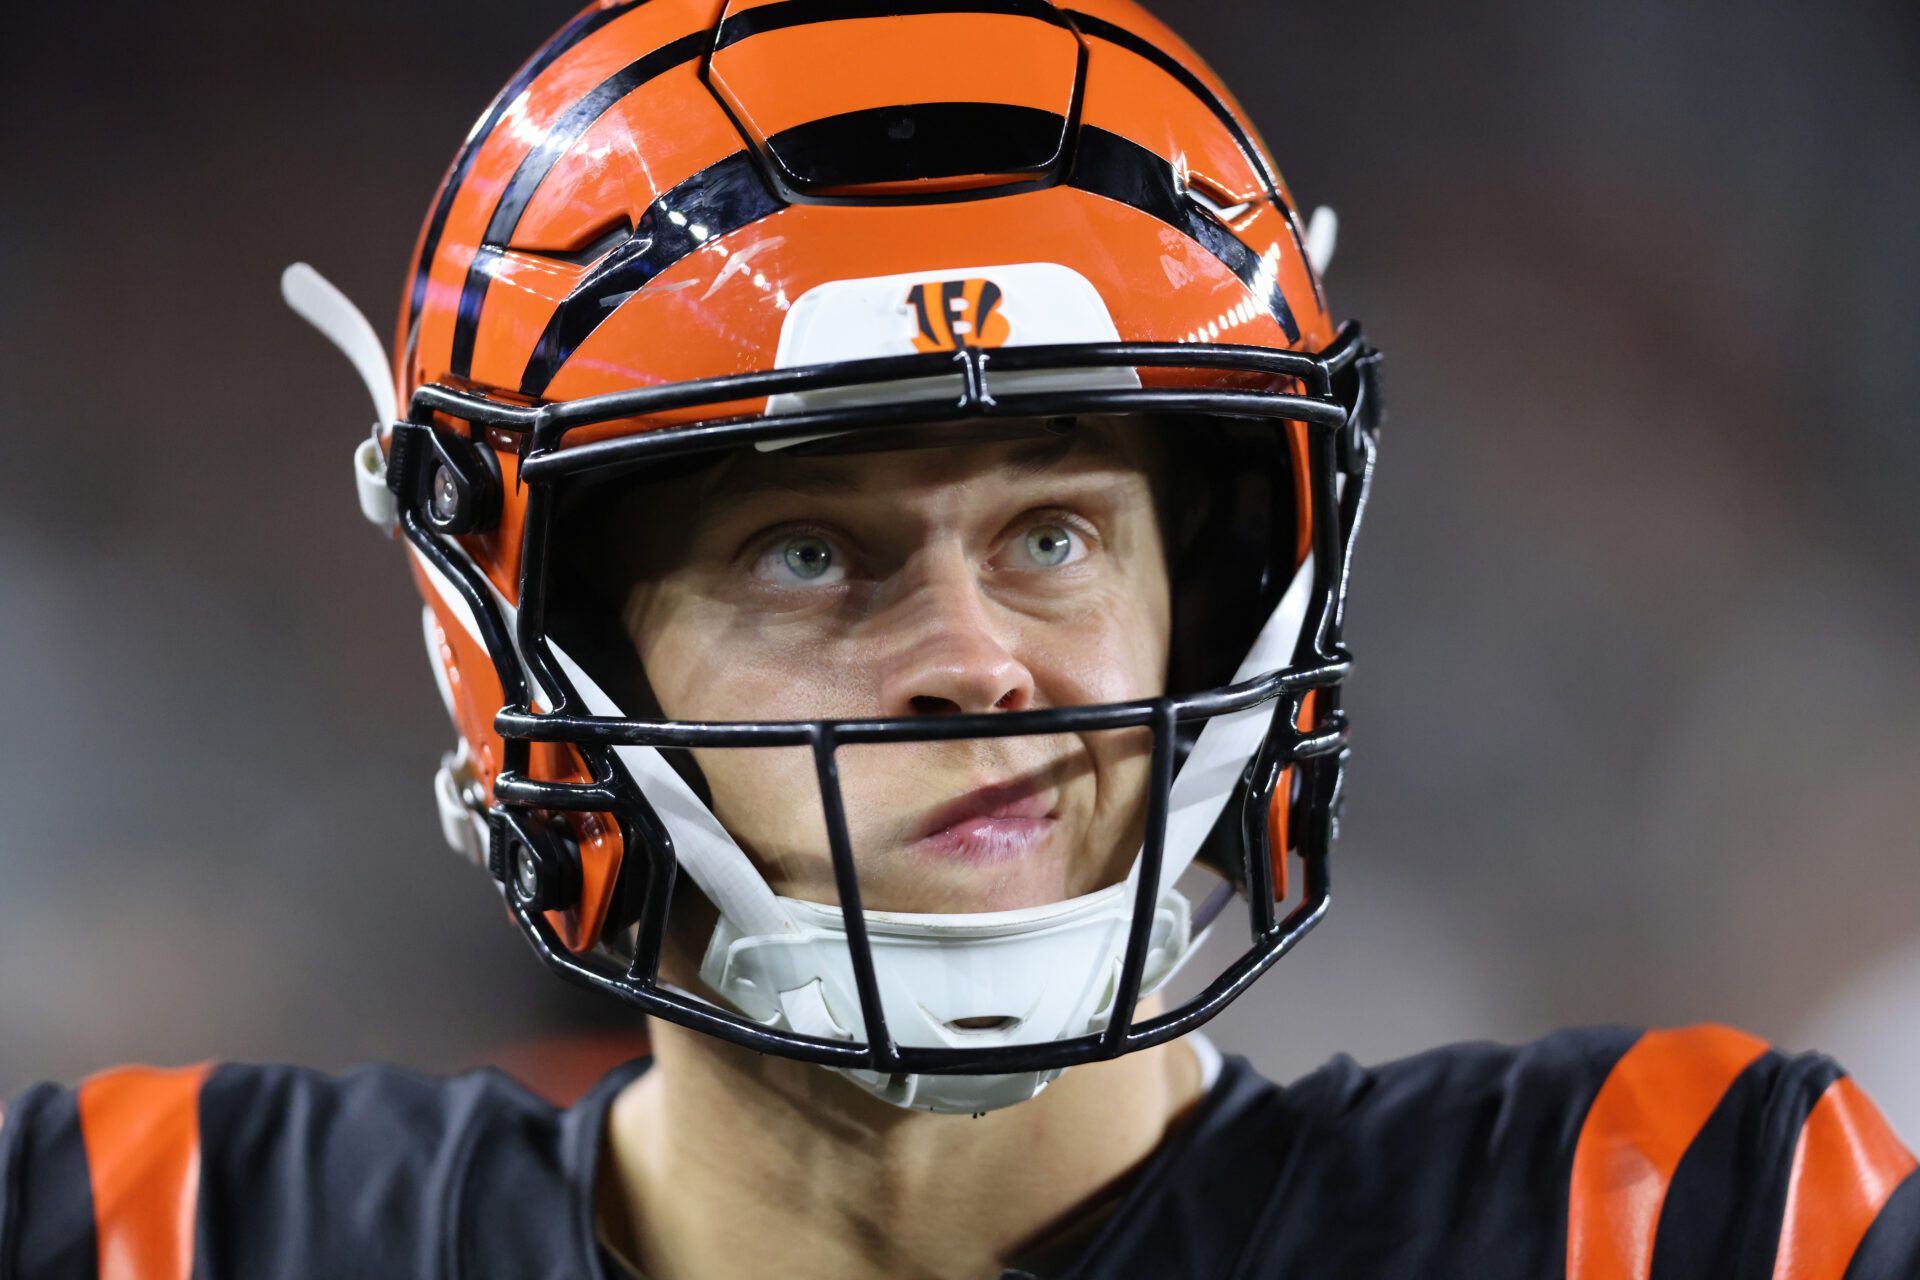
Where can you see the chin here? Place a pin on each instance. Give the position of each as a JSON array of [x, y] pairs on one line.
[[946, 889]]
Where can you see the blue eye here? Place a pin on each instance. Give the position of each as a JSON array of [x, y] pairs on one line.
[[1050, 545], [805, 559], [808, 557]]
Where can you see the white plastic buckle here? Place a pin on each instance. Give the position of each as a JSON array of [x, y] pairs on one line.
[[377, 502], [464, 829]]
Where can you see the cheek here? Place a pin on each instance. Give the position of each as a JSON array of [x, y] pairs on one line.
[[770, 801], [703, 666], [1120, 656], [707, 661], [1114, 651], [1122, 763]]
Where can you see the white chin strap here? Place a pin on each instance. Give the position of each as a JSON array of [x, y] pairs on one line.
[[319, 302]]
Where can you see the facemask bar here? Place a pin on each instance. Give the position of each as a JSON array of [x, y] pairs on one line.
[[1340, 411]]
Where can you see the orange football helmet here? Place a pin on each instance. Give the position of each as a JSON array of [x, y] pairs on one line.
[[689, 226]]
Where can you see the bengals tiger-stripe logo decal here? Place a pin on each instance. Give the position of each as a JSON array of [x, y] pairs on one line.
[[959, 313]]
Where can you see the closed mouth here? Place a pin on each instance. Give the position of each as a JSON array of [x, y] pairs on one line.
[[997, 823]]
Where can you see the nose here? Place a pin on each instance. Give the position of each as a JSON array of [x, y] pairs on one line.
[[949, 658]]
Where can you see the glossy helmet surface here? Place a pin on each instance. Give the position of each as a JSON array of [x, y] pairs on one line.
[[689, 225]]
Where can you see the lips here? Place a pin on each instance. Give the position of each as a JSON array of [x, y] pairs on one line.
[[998, 823]]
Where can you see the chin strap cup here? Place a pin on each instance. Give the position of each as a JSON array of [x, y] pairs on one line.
[[1031, 976]]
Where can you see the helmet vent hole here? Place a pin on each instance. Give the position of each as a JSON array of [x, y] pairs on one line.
[[983, 1024], [595, 246]]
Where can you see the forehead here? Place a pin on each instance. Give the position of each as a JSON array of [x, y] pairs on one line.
[[1030, 451]]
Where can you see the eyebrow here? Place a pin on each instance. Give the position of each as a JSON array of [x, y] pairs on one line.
[[1032, 459]]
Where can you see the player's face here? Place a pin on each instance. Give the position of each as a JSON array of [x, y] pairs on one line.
[[977, 578]]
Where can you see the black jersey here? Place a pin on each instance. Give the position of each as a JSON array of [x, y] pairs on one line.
[[1591, 1154]]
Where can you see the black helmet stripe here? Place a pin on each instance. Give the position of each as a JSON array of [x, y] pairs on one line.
[[1133, 42], [533, 171], [570, 35], [715, 202], [1121, 169]]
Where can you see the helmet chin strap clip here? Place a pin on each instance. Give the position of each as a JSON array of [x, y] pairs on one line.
[[321, 304]]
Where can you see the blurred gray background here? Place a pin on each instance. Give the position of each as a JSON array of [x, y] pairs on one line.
[[1637, 609]]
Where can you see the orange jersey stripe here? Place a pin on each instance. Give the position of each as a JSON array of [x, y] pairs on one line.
[[1648, 1112], [141, 1129], [1845, 1165]]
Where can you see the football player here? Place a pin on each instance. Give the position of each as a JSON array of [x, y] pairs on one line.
[[882, 480]]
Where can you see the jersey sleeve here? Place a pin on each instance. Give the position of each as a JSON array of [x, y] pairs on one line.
[[1706, 1152], [1853, 1197], [107, 1170], [234, 1171]]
